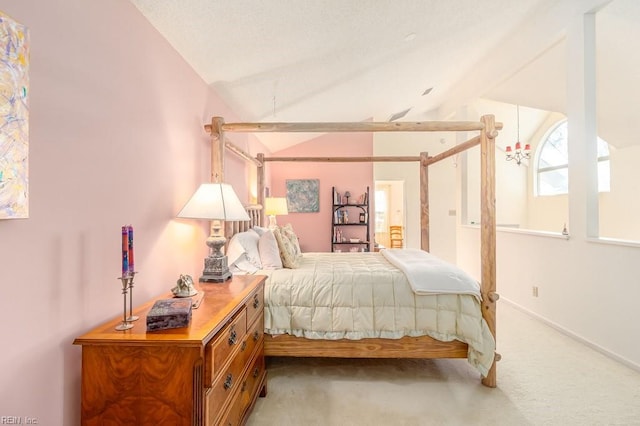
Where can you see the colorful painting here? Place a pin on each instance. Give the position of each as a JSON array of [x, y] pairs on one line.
[[14, 119], [302, 196]]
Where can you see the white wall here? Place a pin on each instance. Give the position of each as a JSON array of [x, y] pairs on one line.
[[620, 208]]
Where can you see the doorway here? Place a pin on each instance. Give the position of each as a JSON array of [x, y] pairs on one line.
[[389, 204]]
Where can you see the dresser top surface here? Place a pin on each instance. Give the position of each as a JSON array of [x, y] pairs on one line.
[[219, 303]]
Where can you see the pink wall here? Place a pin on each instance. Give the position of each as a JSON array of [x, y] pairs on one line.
[[314, 229], [116, 137]]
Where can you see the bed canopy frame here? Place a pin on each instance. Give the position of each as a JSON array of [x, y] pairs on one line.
[[407, 347]]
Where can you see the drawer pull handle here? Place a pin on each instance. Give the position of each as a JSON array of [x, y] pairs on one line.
[[229, 382], [256, 336], [244, 386], [232, 338], [256, 302], [244, 345], [256, 372]]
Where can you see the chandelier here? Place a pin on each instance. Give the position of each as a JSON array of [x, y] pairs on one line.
[[518, 153]]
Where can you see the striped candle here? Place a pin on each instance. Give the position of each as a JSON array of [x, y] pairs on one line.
[[130, 247], [125, 251]]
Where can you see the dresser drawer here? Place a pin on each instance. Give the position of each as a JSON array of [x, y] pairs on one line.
[[255, 305], [218, 351], [247, 393], [226, 383], [253, 379], [254, 337]]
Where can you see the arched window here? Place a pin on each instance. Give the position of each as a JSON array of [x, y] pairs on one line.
[[552, 169]]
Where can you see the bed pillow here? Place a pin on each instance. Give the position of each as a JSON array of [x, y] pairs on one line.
[[242, 266], [260, 230], [244, 243], [269, 251], [291, 235], [288, 246]]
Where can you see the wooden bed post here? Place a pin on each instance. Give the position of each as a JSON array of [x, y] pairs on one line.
[[424, 201], [261, 185], [217, 150], [217, 164], [488, 232]]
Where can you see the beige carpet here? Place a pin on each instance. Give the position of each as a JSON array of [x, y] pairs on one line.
[[544, 378]]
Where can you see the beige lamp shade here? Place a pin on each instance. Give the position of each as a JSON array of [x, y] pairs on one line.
[[275, 206], [214, 201], [217, 202]]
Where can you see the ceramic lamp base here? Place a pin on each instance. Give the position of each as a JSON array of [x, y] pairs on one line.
[[216, 269], [215, 278]]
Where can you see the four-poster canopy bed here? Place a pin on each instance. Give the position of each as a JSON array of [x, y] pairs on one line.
[[407, 346]]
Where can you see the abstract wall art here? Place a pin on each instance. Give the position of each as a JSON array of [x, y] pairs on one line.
[[14, 119], [302, 195]]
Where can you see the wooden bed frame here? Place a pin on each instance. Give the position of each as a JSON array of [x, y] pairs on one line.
[[407, 347]]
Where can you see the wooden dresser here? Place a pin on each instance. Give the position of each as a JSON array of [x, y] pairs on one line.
[[209, 373]]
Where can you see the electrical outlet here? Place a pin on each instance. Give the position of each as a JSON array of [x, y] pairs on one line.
[[535, 291]]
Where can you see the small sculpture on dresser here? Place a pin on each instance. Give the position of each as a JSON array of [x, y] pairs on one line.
[[184, 287]]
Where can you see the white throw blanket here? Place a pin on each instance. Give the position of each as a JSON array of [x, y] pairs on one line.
[[429, 275]]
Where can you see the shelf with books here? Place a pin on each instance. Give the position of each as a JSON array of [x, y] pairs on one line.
[[350, 221]]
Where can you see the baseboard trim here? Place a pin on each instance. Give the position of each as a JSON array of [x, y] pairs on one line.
[[574, 336]]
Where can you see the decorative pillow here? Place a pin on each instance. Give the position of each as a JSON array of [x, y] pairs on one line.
[[269, 251], [244, 243], [291, 235], [288, 246]]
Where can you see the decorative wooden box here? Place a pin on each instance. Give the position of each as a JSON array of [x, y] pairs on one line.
[[169, 313]]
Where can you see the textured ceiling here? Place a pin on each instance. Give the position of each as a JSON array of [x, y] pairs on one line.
[[339, 60]]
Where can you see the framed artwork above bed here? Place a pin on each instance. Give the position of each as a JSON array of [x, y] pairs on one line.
[[303, 195]]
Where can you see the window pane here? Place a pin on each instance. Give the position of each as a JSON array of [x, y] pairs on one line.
[[603, 148], [553, 182], [554, 151], [604, 176]]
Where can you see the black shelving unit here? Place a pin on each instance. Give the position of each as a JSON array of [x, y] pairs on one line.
[[350, 221]]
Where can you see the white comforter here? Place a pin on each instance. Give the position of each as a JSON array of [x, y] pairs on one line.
[[361, 295]]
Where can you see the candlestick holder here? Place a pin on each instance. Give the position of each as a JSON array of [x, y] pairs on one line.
[[131, 317], [125, 325]]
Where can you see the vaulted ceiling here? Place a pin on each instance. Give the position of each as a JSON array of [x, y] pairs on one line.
[[339, 60]]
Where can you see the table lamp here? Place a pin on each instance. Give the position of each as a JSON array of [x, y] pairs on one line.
[[216, 202], [274, 206]]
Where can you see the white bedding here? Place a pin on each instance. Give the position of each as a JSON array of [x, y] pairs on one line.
[[361, 295]]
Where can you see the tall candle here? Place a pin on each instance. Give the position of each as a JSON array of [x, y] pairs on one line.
[[130, 237], [125, 251]]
